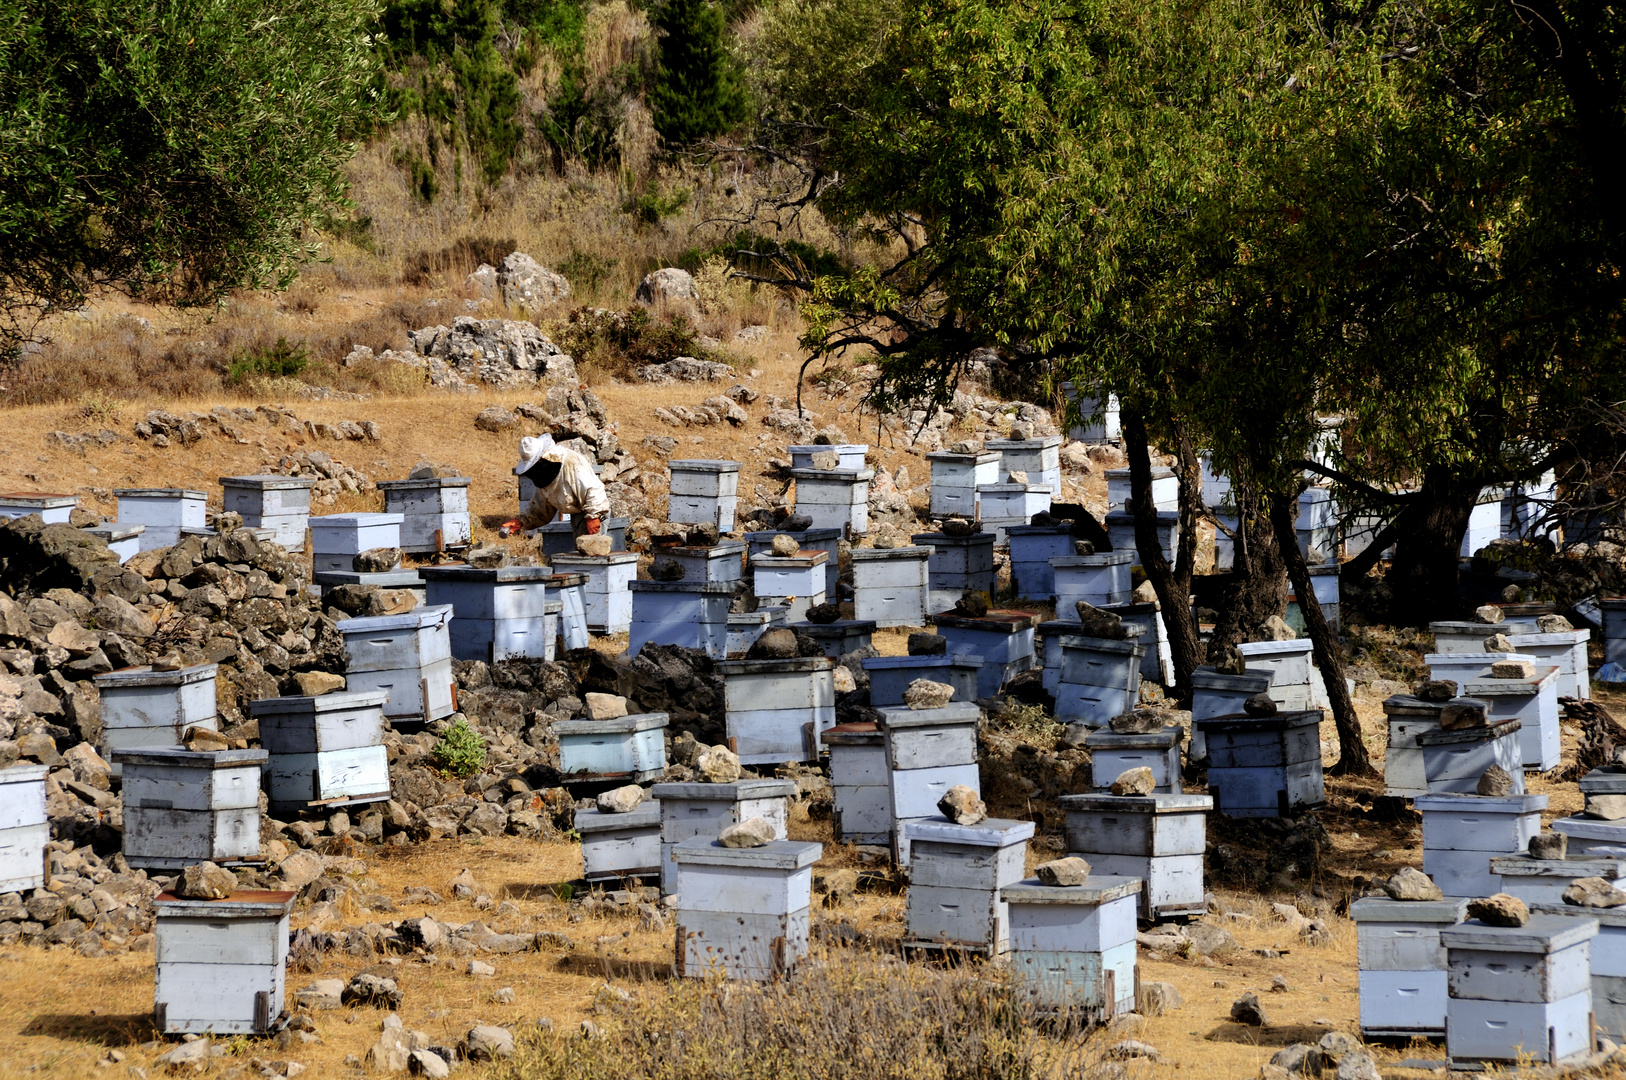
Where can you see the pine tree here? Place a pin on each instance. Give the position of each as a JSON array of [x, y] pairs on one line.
[[699, 90]]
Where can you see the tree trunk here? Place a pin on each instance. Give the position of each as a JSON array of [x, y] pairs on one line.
[[1257, 588], [1172, 584], [1329, 654], [1429, 532]]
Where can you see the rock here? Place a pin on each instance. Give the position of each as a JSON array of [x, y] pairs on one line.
[[317, 683], [668, 286], [321, 994], [665, 569], [962, 805], [189, 1056], [597, 545], [621, 800], [1247, 1010], [1144, 593], [825, 460], [1551, 845], [1131, 1048], [1498, 643], [1553, 624], [1335, 1044], [1513, 669], [496, 418], [1071, 870], [39, 747], [1489, 614], [377, 560], [750, 833], [928, 645], [1439, 690], [528, 285], [971, 605], [1260, 704], [824, 614], [1210, 940], [604, 706], [488, 557], [373, 990], [1137, 722], [486, 1042], [1467, 713], [1410, 883], [300, 868], [202, 740], [1136, 781], [843, 680], [1279, 984], [704, 534], [391, 1052], [1499, 910], [1093, 622], [1593, 892], [778, 643], [785, 547], [1298, 1059], [1276, 629], [206, 881], [794, 523], [481, 969], [464, 886], [1606, 807], [88, 766], [1157, 998], [1357, 1066], [429, 1064], [924, 694], [1495, 782], [718, 765]]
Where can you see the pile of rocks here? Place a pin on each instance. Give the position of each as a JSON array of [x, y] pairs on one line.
[[479, 352], [161, 428], [685, 369]]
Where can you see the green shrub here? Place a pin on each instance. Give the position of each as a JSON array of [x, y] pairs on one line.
[[461, 750], [652, 205], [618, 341], [280, 361], [584, 270]]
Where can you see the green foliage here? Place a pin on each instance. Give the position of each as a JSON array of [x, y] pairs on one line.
[[699, 89], [581, 120], [618, 341], [751, 252], [461, 751], [651, 205], [280, 361], [555, 25], [173, 149], [584, 270]]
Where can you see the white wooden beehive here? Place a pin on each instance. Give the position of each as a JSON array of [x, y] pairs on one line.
[[928, 751], [1606, 960], [1097, 411], [1039, 458], [1157, 838], [1004, 505], [336, 539], [325, 750], [1464, 668], [607, 593], [1591, 836], [1408, 717], [861, 782], [220, 963], [890, 585], [52, 509], [704, 493], [435, 511], [690, 810], [1289, 666], [1531, 702], [1264, 766], [678, 613], [1032, 548], [571, 592], [1158, 663], [1402, 964], [631, 748], [1518, 992], [956, 874], [777, 709], [407, 657], [956, 478], [1567, 651], [497, 614], [834, 499], [282, 503], [183, 807], [1096, 678], [1165, 488], [163, 512], [797, 581], [1452, 637], [838, 638], [850, 456], [618, 846], [743, 912], [1535, 880], [1462, 832], [1112, 754], [825, 540], [1073, 946], [1004, 640], [24, 827], [890, 676], [1120, 526], [1097, 580], [142, 708], [958, 565], [1453, 761], [1215, 694], [723, 561]]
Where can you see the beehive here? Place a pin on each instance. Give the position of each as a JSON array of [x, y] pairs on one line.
[[1073, 946], [182, 807], [1264, 766], [743, 912], [957, 874], [1518, 992], [1402, 964], [220, 963], [607, 590], [1157, 838], [1461, 833], [777, 709], [146, 709], [890, 585], [326, 751], [408, 657], [628, 748]]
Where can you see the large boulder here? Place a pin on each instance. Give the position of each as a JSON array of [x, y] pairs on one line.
[[668, 286], [36, 557], [497, 352], [527, 284]]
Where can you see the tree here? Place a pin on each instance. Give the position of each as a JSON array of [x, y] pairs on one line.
[[174, 149], [699, 89]]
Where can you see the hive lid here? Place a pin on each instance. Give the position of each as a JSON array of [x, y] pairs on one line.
[[703, 465], [801, 559], [1551, 637], [115, 530], [24, 772], [1263, 649], [1104, 739], [774, 855], [1100, 558], [428, 482], [646, 815], [566, 581], [831, 629], [1252, 682], [1458, 659], [244, 903], [1280, 722], [384, 579], [762, 616], [989, 832], [37, 499], [1381, 909], [1542, 934], [498, 575], [955, 712], [704, 588], [1156, 803], [417, 619], [1603, 781], [1097, 889], [1614, 918], [851, 476], [159, 493], [1124, 517], [883, 554], [1481, 804], [146, 676], [937, 539], [572, 558], [794, 665], [1040, 443], [1063, 529], [731, 792], [721, 549], [1545, 677], [1121, 647], [887, 663], [981, 458], [765, 536], [270, 482], [1585, 828], [1475, 629], [619, 725], [1408, 705], [853, 735], [1568, 869], [1468, 735], [354, 521], [197, 759], [335, 701], [996, 621]]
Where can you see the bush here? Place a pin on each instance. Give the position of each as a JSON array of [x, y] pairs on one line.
[[280, 361], [461, 751], [618, 341]]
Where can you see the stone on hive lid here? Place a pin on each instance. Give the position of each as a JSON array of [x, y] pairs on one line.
[[1136, 781], [928, 645], [785, 546], [1553, 624], [1494, 782], [605, 706], [962, 806], [1489, 614], [1410, 883], [1436, 690], [778, 643], [1260, 704], [205, 881], [753, 832], [718, 765], [824, 614], [1513, 669], [960, 527], [621, 800], [971, 605], [1593, 892], [1093, 622], [488, 556], [796, 523], [1499, 910], [1071, 870], [1138, 722], [1463, 714], [667, 569], [1498, 643], [597, 545], [1276, 629], [924, 694], [705, 534], [1548, 846], [1606, 807]]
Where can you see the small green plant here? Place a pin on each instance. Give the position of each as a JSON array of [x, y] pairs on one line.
[[652, 205], [564, 892], [280, 361], [99, 407], [618, 341], [584, 270], [461, 750], [1030, 720]]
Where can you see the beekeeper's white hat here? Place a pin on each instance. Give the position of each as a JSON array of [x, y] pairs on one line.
[[532, 449]]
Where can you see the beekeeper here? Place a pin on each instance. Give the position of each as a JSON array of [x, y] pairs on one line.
[[565, 484]]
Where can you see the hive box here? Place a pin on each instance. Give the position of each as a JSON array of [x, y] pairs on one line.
[[325, 750], [797, 581], [164, 512], [1004, 640], [122, 540], [571, 591], [182, 807], [777, 709], [1005, 505], [890, 676], [825, 540], [618, 846], [1097, 678], [704, 810], [1120, 525], [147, 709], [834, 499], [1227, 524], [1098, 580], [1158, 663], [281, 503], [1607, 961], [336, 539], [607, 594], [408, 580], [850, 456], [704, 493], [1531, 702], [1039, 458], [1216, 485], [220, 963], [1324, 583], [630, 748], [407, 657], [1518, 992], [957, 874], [678, 613], [743, 911], [928, 751], [1464, 668], [744, 627], [838, 638], [1567, 651], [1112, 754], [720, 562], [890, 585], [958, 565], [1461, 833], [1613, 615], [24, 827], [1157, 838], [1264, 766], [1215, 694], [435, 511], [1402, 964], [1032, 548], [1073, 947], [1097, 413], [1317, 525], [1288, 664], [52, 509], [497, 614], [1533, 880], [1453, 761], [1165, 488], [1591, 836], [956, 478], [1452, 638], [559, 537], [1408, 717], [861, 780]]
